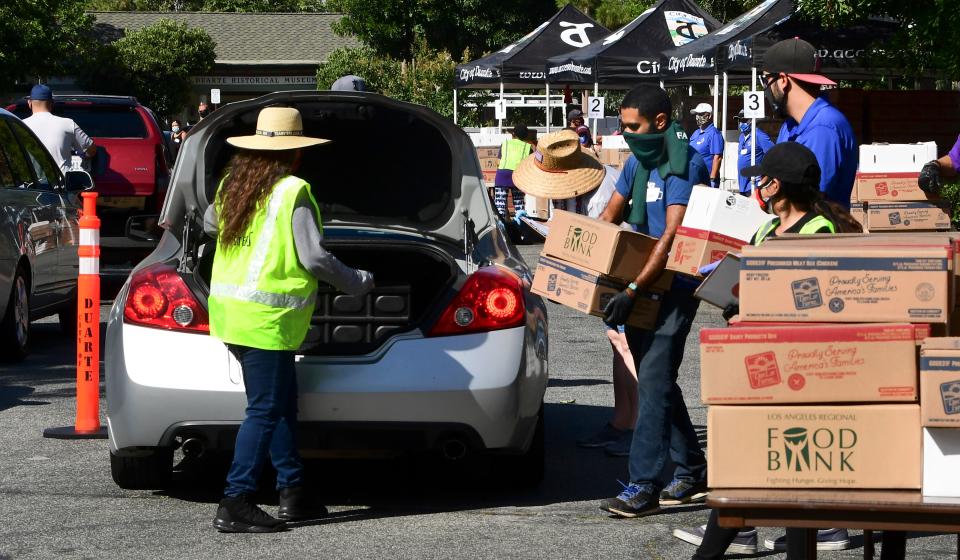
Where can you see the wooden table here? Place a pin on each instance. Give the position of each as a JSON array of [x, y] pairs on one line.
[[853, 509]]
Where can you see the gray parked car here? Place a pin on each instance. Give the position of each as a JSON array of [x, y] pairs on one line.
[[39, 232], [447, 354]]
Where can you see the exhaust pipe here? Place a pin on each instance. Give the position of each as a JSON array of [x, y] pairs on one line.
[[453, 449], [193, 447]]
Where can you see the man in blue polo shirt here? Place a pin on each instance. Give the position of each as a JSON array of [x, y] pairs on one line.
[[762, 146], [708, 141], [792, 80], [658, 180]]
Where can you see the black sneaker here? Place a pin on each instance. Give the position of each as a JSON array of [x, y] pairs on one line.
[[296, 504], [241, 515], [827, 539], [744, 543], [636, 500], [683, 492]]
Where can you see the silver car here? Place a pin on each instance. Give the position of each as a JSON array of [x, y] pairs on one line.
[[448, 354], [39, 232]]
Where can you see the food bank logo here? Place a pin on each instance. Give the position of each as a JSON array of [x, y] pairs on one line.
[[580, 241], [950, 392], [799, 450]]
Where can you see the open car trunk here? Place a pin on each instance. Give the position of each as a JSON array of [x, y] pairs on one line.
[[413, 282]]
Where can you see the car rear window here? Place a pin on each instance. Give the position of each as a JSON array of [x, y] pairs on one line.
[[106, 122]]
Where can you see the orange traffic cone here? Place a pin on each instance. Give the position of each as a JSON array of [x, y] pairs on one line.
[[87, 423]]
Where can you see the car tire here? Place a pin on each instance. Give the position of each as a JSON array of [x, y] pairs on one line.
[[148, 471], [526, 470], [15, 326]]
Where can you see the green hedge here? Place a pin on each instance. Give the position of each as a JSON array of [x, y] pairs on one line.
[[951, 192]]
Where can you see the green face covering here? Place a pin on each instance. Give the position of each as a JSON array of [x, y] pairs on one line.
[[666, 151]]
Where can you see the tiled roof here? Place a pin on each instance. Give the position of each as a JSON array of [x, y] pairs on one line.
[[245, 38]]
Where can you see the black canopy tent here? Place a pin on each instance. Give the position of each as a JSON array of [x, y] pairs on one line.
[[520, 65], [633, 51]]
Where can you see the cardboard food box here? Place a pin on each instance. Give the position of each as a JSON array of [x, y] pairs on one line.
[[489, 163], [940, 383], [823, 282], [941, 462], [809, 364], [588, 292], [842, 446], [600, 246], [888, 187], [921, 331], [716, 222], [859, 212], [488, 152], [537, 207], [896, 158], [901, 216], [615, 158], [489, 175]]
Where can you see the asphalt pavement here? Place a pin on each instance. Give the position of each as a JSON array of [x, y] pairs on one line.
[[57, 500]]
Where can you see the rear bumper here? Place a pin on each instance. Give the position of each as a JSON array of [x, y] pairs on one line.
[[485, 387]]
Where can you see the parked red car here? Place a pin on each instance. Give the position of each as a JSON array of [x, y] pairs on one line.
[[130, 171]]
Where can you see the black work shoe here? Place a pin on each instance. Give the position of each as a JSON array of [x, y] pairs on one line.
[[241, 515], [636, 500], [296, 504], [683, 492]]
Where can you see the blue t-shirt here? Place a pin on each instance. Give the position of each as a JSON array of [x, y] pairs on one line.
[[830, 137], [743, 155], [708, 142], [660, 193]]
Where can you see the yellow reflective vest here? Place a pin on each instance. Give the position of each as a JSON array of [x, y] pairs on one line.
[[512, 153], [808, 228], [260, 294]]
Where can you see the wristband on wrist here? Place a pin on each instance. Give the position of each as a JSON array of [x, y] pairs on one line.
[[632, 286]]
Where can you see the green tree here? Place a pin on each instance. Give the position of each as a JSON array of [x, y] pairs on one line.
[[391, 27], [38, 38], [153, 63], [927, 40], [617, 13], [207, 5], [426, 78]]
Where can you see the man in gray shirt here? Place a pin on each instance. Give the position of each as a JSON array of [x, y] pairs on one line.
[[59, 135]]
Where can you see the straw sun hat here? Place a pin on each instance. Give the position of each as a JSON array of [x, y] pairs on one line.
[[278, 128], [559, 169]]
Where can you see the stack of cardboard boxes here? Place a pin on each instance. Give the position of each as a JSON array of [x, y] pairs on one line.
[[585, 262], [828, 335], [940, 416], [886, 196], [614, 151]]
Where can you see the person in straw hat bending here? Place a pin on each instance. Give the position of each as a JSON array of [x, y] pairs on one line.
[[262, 291], [581, 189]]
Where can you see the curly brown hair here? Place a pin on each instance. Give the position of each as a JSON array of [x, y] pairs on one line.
[[250, 180]]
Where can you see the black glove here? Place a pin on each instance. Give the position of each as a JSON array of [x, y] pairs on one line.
[[618, 309], [929, 179], [731, 310]]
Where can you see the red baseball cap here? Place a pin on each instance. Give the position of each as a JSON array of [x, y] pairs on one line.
[[796, 58]]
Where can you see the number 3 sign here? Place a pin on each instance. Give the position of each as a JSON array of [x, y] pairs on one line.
[[753, 106]]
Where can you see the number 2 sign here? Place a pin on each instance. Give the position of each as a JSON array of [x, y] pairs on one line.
[[753, 106], [595, 104]]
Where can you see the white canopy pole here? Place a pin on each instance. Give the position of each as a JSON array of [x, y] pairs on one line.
[[454, 105], [500, 121], [753, 131], [716, 94], [548, 107], [596, 93], [723, 125]]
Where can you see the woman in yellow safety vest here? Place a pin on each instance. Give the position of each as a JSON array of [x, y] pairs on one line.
[[262, 293], [512, 153], [789, 185]]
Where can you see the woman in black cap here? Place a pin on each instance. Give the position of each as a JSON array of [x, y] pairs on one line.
[[789, 185]]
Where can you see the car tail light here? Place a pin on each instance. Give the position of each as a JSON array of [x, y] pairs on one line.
[[491, 299], [159, 298]]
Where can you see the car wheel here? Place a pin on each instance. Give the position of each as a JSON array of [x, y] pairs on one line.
[[15, 327], [526, 470], [148, 471]]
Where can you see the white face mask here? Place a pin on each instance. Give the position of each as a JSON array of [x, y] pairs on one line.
[[175, 129]]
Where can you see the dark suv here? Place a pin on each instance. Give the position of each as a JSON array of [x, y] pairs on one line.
[[130, 170]]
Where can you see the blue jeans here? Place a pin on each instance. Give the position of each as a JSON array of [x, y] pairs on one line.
[[270, 379], [663, 426]]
